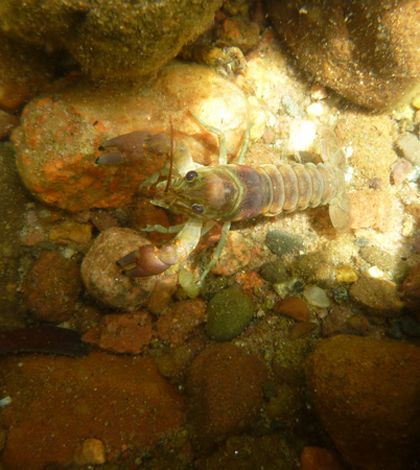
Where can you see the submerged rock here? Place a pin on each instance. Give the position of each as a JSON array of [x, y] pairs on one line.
[[366, 393], [366, 51], [111, 39], [62, 129]]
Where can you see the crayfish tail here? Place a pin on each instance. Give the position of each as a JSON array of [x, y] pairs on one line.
[[339, 211]]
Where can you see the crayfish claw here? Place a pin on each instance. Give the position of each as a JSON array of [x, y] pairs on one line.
[[142, 263], [128, 148], [112, 158]]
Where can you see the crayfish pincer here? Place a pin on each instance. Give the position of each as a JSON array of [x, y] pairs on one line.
[[227, 193]]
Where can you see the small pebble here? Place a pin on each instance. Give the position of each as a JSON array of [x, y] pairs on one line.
[[409, 146], [345, 274], [282, 243], [91, 452], [318, 92], [416, 101], [400, 170], [315, 109], [341, 295], [290, 106], [302, 329], [293, 307], [316, 296]]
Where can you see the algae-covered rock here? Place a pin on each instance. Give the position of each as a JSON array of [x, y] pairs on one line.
[[229, 313], [110, 39]]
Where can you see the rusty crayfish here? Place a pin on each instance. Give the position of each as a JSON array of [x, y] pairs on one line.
[[226, 193]]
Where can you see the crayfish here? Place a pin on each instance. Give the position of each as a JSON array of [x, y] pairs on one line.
[[226, 193]]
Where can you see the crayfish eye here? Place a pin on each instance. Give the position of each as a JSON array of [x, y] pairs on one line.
[[191, 175], [197, 208]]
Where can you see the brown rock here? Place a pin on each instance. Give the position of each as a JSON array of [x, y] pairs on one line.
[[52, 288], [119, 39], [225, 388], [181, 321], [103, 278], [377, 296], [7, 123], [292, 307], [236, 255], [24, 70], [365, 51], [336, 321], [400, 170], [317, 458], [59, 402], [410, 289], [128, 333], [366, 393]]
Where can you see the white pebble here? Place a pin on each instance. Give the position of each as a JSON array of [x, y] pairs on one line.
[[302, 134], [315, 109], [316, 296]]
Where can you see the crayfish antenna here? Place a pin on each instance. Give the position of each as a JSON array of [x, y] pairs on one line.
[[171, 160]]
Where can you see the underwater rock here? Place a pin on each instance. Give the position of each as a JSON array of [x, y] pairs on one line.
[[52, 288], [24, 71], [127, 333], [225, 388], [111, 39], [59, 402], [62, 129], [377, 296], [366, 393], [103, 278], [368, 52], [181, 321], [229, 312]]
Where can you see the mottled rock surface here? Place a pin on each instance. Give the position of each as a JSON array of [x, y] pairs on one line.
[[225, 390], [59, 402], [110, 39], [368, 52], [62, 129], [103, 278], [366, 394], [52, 288]]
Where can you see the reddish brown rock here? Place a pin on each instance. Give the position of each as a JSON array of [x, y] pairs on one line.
[[128, 333], [225, 388], [410, 289], [292, 307], [377, 296], [52, 288], [317, 458], [24, 70], [366, 51], [62, 129], [181, 321], [366, 393], [60, 402]]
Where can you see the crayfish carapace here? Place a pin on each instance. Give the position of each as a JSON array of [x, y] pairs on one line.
[[227, 193]]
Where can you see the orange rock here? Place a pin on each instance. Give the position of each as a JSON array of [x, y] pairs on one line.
[[128, 333], [292, 307], [181, 321], [58, 140]]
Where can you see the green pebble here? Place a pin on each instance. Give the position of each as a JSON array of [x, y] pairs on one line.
[[229, 312]]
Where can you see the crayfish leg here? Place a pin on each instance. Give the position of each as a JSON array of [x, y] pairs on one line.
[[217, 251]]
